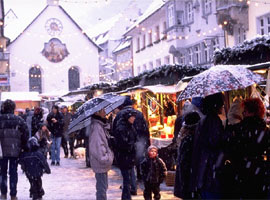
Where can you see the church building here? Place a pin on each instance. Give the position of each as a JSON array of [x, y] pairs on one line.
[[53, 54]]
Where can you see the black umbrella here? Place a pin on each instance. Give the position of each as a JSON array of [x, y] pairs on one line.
[[82, 119]]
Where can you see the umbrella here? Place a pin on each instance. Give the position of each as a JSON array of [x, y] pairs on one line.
[[108, 102], [218, 79]]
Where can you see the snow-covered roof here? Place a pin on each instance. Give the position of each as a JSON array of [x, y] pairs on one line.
[[20, 96], [103, 27], [154, 7], [102, 38], [122, 45]]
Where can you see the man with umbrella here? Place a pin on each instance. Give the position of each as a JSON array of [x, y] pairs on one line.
[[101, 156]]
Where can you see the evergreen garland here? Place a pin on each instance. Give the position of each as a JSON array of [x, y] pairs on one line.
[[166, 75], [249, 52]]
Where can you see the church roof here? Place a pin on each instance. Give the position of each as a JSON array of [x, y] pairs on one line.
[[72, 20]]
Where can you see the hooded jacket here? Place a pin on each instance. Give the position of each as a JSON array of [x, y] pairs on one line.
[[101, 156], [13, 134], [125, 139]]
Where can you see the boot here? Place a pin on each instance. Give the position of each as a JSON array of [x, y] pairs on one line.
[[3, 196]]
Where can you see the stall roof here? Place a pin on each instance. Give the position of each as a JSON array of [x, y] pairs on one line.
[[167, 89], [20, 96]]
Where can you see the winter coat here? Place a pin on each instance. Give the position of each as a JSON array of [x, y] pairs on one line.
[[34, 164], [37, 120], [250, 140], [183, 170], [125, 139], [56, 129], [206, 153], [43, 140], [101, 156], [67, 118], [153, 170], [13, 134]]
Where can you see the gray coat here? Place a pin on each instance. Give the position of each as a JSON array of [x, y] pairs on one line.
[[101, 156]]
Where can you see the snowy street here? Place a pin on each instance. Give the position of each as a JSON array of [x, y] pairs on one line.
[[72, 180]]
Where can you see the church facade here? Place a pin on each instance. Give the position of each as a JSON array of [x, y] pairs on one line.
[[53, 54]]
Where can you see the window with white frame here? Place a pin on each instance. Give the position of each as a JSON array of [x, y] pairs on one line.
[[205, 53], [157, 33], [171, 15], [263, 24], [138, 70], [144, 68], [150, 37], [190, 55], [151, 65], [189, 12], [138, 44], [215, 44], [143, 41], [197, 54], [240, 35], [182, 59], [158, 62], [167, 60], [207, 6]]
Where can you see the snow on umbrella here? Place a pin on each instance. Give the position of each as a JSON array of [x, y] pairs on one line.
[[219, 78], [84, 112]]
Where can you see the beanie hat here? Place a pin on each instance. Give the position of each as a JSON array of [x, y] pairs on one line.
[[192, 118], [197, 101], [33, 143], [127, 102], [152, 147]]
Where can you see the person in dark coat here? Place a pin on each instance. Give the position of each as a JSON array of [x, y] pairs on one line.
[[153, 172], [125, 139], [55, 125], [28, 119], [65, 137], [207, 151], [183, 169], [13, 138], [37, 120], [249, 143], [34, 165]]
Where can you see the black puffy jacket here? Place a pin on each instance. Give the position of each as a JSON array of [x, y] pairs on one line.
[[34, 164], [125, 139], [153, 170], [13, 134]]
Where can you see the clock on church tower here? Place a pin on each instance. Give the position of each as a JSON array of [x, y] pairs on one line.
[[54, 26]]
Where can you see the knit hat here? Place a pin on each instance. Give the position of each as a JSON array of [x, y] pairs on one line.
[[197, 101], [152, 147], [33, 143], [192, 118], [127, 102]]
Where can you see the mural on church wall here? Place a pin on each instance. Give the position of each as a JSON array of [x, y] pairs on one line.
[[54, 50]]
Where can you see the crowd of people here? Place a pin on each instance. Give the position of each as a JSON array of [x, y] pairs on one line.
[[217, 158], [223, 159], [28, 139]]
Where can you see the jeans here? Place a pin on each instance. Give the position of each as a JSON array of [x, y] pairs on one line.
[[71, 144], [126, 173], [133, 182], [101, 186], [55, 149], [64, 145], [13, 175]]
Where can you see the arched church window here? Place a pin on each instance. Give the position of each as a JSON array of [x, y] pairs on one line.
[[73, 78], [35, 79]]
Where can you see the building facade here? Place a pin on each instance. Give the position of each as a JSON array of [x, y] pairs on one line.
[[53, 54], [176, 31], [123, 60], [4, 55]]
